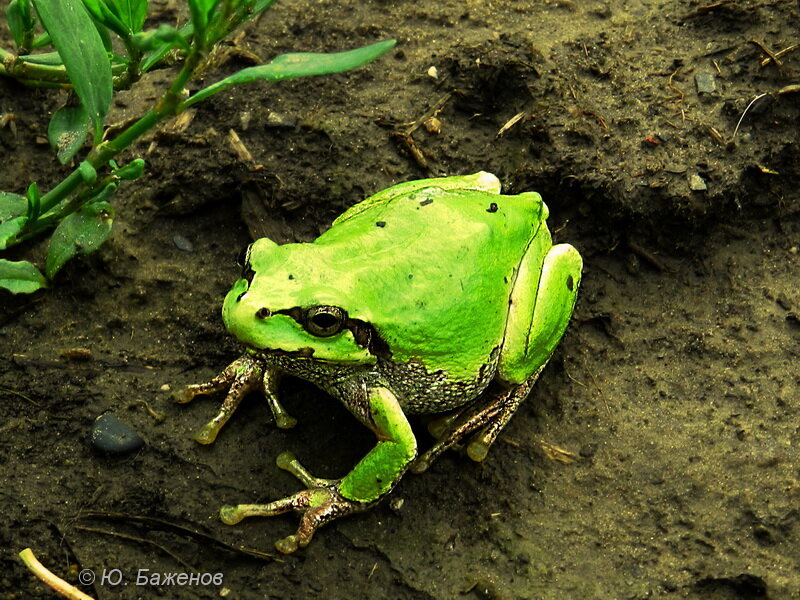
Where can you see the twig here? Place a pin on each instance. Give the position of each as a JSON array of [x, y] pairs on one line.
[[647, 256], [168, 526], [753, 101], [431, 112], [774, 57], [602, 395], [133, 538], [5, 390], [766, 61], [510, 123], [789, 89], [59, 585]]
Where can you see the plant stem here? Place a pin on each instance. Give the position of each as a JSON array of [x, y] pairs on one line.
[[12, 65], [59, 585], [168, 105]]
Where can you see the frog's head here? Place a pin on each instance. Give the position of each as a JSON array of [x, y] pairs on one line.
[[285, 303]]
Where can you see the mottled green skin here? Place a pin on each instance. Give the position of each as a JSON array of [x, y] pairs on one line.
[[430, 269]]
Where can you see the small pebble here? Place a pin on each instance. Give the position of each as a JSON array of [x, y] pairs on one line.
[[275, 119], [675, 168], [181, 243], [706, 82], [77, 354], [111, 435], [696, 183]]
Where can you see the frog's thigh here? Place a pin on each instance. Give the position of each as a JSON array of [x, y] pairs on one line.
[[541, 304]]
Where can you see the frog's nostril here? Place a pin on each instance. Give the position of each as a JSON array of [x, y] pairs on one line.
[[263, 313]]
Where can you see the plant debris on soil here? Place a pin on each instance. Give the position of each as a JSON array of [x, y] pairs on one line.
[[656, 456]]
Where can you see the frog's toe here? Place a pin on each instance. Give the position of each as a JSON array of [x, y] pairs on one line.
[[186, 395], [318, 506], [287, 545], [478, 449], [287, 461], [231, 515], [208, 433]]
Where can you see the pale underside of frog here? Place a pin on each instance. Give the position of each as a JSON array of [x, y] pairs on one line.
[[430, 296]]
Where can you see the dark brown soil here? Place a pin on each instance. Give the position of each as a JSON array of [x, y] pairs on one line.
[[676, 388]]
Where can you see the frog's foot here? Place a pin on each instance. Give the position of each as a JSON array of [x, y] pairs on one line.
[[492, 416], [241, 377], [319, 504]]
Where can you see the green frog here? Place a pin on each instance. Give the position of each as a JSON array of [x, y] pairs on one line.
[[430, 296]]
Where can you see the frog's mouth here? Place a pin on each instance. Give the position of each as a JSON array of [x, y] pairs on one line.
[[302, 353]]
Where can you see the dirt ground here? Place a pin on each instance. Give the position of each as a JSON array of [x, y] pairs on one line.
[[657, 455]]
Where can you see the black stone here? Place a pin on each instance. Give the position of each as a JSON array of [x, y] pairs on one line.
[[111, 435]]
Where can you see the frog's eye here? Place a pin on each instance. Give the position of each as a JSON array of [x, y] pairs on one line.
[[243, 260], [324, 321]]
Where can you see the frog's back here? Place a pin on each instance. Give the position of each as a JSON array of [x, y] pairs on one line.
[[432, 270]]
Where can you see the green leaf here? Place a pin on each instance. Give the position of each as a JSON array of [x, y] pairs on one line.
[[67, 131], [131, 12], [20, 20], [161, 39], [42, 40], [300, 64], [12, 205], [133, 170], [81, 232], [52, 59], [199, 10], [261, 5], [159, 51], [34, 201], [9, 230], [106, 17], [75, 37], [20, 277]]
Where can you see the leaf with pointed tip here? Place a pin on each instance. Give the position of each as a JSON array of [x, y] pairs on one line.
[[81, 232], [20, 20], [20, 277], [81, 48], [299, 64], [9, 230], [200, 11], [12, 205], [131, 12], [67, 131]]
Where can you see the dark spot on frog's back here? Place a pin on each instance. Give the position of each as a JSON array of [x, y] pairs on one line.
[[426, 201], [492, 208], [380, 223], [570, 283]]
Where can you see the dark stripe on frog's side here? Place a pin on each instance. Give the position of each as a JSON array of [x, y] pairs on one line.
[[417, 390]]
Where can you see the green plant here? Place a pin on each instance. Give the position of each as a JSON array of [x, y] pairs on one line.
[[85, 57]]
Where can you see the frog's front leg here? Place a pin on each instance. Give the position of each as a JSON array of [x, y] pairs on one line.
[[371, 479], [242, 376]]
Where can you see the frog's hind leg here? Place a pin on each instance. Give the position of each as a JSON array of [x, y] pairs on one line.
[[492, 415], [541, 304]]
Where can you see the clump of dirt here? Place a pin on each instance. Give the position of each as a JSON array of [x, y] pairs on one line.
[[655, 457]]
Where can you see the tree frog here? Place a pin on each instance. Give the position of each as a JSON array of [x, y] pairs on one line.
[[430, 296]]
